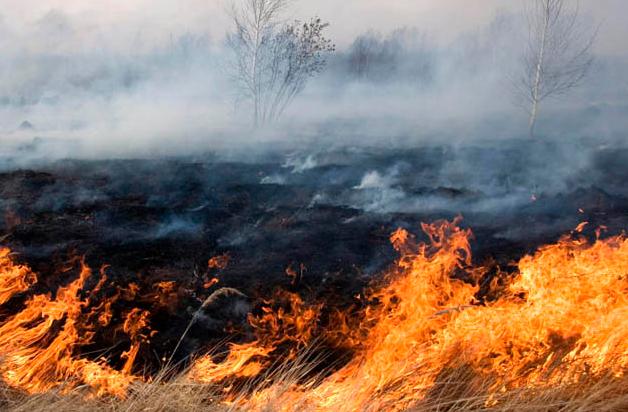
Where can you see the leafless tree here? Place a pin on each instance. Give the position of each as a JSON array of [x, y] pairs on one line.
[[558, 55], [273, 60]]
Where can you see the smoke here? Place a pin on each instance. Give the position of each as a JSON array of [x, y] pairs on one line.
[[488, 178], [76, 86]]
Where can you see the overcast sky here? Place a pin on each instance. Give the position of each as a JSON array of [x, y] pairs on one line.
[[118, 23]]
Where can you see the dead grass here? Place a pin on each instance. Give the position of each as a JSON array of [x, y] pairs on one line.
[[452, 393]]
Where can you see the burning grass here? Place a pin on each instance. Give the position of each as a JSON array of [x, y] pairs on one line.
[[552, 335]]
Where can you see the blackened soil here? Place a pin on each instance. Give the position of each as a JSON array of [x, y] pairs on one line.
[[325, 216]]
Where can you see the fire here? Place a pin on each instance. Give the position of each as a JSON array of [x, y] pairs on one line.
[[240, 363], [219, 262], [563, 318], [13, 278], [560, 318], [136, 325], [291, 324], [39, 343]]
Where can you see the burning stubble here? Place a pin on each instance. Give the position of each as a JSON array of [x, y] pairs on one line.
[[559, 319]]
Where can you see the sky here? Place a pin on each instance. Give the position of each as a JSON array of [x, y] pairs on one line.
[[124, 23]]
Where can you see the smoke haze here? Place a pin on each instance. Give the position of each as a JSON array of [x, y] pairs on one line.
[[124, 79]]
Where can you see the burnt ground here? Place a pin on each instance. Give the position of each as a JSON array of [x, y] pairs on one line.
[[327, 214]]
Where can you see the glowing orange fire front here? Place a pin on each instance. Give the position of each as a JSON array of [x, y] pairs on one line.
[[39, 343], [561, 318]]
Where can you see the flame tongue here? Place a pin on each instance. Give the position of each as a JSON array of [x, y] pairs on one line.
[[288, 329], [38, 343], [14, 278]]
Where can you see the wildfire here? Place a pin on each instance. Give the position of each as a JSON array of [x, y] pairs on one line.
[[560, 318], [563, 318]]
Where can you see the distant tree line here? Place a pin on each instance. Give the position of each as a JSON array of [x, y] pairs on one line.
[[402, 54]]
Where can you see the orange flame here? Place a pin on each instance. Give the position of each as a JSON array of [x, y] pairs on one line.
[[39, 342], [219, 262], [13, 278], [292, 324], [560, 318], [136, 326], [563, 318]]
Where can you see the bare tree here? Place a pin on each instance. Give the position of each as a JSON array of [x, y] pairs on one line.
[[299, 52], [273, 60], [558, 55]]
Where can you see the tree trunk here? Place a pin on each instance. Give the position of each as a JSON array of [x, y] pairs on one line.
[[538, 78], [533, 116], [259, 27]]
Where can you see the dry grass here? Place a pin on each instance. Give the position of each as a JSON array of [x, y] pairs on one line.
[[173, 396], [452, 393], [605, 395]]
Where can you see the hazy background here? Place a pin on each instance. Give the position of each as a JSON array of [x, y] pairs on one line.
[[140, 77], [118, 21]]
